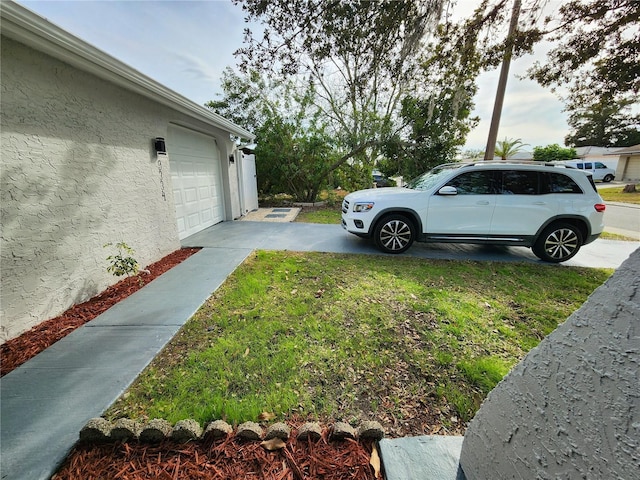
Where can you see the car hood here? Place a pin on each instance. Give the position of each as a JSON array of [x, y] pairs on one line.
[[380, 194]]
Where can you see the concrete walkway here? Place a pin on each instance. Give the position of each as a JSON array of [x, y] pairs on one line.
[[46, 401]]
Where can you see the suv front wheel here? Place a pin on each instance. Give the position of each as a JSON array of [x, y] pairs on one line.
[[558, 243], [394, 234]]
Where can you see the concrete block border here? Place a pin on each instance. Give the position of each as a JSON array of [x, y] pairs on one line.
[[99, 430]]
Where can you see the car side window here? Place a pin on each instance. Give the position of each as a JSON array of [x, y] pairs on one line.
[[600, 165], [519, 182], [474, 183], [558, 183], [588, 166], [580, 166]]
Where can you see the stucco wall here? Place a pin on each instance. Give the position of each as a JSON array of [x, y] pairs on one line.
[[78, 171], [571, 408]]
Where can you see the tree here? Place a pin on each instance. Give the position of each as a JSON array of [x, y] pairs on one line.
[[552, 153], [248, 99], [509, 147], [595, 46], [596, 49], [359, 56], [603, 123], [436, 117], [292, 159], [290, 129]]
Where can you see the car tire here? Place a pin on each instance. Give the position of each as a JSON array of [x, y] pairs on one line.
[[394, 233], [607, 178], [558, 243]]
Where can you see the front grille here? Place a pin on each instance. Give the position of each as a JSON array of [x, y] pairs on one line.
[[345, 206]]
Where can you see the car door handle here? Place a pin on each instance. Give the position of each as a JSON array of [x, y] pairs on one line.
[[483, 202], [539, 203]]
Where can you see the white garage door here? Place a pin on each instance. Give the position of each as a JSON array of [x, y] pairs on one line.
[[196, 179]]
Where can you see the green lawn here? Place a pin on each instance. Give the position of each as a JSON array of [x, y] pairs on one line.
[[415, 344], [615, 194], [330, 214]]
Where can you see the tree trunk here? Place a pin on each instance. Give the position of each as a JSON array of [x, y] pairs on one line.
[[631, 188]]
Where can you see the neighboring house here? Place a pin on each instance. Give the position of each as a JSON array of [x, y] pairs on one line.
[[79, 168], [598, 154], [628, 164]]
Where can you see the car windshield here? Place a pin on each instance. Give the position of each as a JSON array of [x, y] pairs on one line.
[[431, 178]]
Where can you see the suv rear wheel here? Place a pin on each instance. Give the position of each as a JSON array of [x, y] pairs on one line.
[[558, 243], [394, 234]]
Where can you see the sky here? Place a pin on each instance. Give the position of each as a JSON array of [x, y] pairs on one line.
[[186, 45]]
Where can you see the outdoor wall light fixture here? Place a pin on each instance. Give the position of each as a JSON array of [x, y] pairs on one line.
[[232, 159], [160, 145]]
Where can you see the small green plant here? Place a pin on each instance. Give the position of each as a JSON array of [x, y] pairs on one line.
[[123, 262]]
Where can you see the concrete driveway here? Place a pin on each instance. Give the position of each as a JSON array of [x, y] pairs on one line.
[[306, 237]]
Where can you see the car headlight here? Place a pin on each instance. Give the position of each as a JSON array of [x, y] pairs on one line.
[[363, 206]]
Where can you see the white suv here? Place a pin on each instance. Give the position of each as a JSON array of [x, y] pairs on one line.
[[554, 211]]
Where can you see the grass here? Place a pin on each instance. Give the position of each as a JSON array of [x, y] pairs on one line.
[[615, 194], [328, 214], [616, 236], [409, 342]]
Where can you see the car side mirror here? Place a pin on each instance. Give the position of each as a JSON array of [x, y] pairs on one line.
[[448, 190]]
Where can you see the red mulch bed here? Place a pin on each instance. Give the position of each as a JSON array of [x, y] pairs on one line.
[[18, 350], [229, 458]]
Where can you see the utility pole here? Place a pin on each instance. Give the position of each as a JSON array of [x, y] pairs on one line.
[[489, 152]]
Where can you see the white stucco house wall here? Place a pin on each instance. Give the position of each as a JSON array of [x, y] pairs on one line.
[[79, 168]]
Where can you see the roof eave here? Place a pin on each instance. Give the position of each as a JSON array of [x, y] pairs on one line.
[[36, 32]]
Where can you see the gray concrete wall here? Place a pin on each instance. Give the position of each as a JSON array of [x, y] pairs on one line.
[[571, 408], [79, 170]]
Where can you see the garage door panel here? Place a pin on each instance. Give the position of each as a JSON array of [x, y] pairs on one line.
[[206, 215], [177, 197], [204, 193], [197, 180], [190, 196]]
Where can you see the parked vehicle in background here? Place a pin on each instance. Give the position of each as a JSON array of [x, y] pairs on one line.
[[552, 210], [600, 172], [380, 180]]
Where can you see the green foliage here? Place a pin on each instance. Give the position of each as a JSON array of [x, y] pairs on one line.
[[552, 153], [593, 57], [605, 122], [361, 58], [508, 147], [595, 51], [292, 159], [247, 100], [122, 263], [436, 116], [353, 176], [379, 36]]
